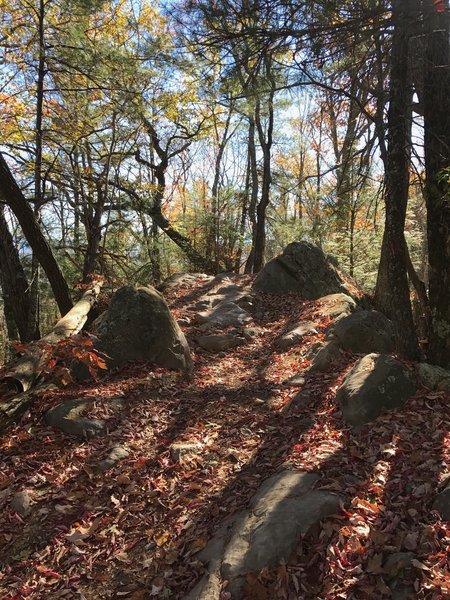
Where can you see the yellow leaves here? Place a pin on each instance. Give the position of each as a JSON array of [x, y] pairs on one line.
[[159, 537], [198, 544], [365, 505]]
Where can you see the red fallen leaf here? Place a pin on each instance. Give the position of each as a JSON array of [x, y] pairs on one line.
[[47, 572], [299, 447]]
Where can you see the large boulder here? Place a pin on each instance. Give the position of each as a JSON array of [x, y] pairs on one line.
[[377, 382], [364, 331], [138, 325], [305, 269]]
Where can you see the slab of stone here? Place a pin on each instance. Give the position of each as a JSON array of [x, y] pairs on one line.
[[177, 280], [250, 333], [434, 377], [115, 455], [295, 335], [66, 417], [266, 534], [21, 503], [376, 383], [285, 506], [364, 331], [324, 357], [335, 305], [219, 343], [295, 381], [224, 314]]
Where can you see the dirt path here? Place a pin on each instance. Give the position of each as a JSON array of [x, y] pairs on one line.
[[133, 531]]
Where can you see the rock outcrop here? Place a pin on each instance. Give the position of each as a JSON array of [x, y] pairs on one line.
[[266, 534], [303, 268]]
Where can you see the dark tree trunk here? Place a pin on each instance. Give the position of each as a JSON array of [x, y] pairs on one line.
[[94, 234], [265, 140], [436, 97], [16, 292], [392, 290], [12, 195], [251, 149]]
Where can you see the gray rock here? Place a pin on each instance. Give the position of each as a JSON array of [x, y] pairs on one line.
[[250, 333], [21, 503], [219, 343], [179, 450], [266, 534], [295, 381], [324, 357], [303, 268], [65, 416], [375, 384], [139, 326], [225, 314], [177, 280], [283, 507], [442, 503], [335, 305], [295, 335], [434, 377], [365, 331], [115, 455]]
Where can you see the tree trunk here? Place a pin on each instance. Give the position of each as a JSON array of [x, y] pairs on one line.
[[14, 282], [251, 149], [392, 290], [265, 140], [436, 97], [12, 195]]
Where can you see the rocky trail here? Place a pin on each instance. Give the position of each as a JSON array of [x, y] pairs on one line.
[[238, 479]]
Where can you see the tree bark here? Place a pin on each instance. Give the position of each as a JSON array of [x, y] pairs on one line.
[[16, 292], [265, 140], [392, 290], [436, 98], [11, 194]]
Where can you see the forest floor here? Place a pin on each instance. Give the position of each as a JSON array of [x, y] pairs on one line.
[[133, 532]]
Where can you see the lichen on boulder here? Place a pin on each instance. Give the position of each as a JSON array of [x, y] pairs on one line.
[[305, 269], [138, 326]]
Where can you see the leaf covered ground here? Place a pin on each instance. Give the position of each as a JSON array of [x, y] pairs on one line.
[[133, 532]]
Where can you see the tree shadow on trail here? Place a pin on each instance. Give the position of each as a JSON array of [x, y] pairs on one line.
[[388, 475]]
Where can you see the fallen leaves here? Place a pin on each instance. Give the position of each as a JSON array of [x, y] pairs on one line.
[[135, 532]]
